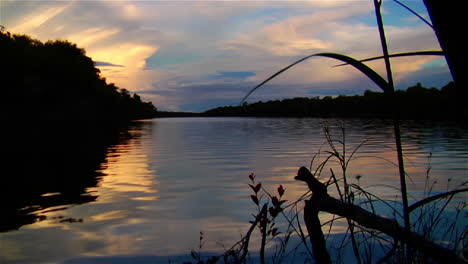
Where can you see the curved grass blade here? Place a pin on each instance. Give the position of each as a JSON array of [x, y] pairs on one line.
[[274, 75], [435, 197], [414, 13], [404, 54], [371, 74]]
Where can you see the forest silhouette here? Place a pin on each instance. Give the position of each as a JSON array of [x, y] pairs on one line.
[[417, 102], [55, 80]]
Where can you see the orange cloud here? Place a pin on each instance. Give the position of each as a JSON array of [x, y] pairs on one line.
[[37, 19]]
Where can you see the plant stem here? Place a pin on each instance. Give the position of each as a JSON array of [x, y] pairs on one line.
[[347, 196], [396, 123], [263, 227], [383, 42], [401, 167]]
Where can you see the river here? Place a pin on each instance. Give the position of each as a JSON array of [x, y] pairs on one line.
[[153, 192]]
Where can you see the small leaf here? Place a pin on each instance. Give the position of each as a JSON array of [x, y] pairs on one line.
[[275, 201], [274, 231], [257, 187], [252, 176], [281, 190], [273, 211], [254, 199]]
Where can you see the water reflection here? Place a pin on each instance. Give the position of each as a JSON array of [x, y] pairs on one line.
[[156, 184], [128, 172], [50, 166]]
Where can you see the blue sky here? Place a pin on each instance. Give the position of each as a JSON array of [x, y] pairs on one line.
[[195, 55]]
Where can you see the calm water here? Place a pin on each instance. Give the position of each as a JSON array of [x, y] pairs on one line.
[[165, 180]]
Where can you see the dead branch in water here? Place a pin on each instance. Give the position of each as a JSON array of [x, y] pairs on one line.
[[321, 201]]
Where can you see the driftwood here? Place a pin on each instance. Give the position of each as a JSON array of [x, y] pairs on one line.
[[321, 201], [319, 246]]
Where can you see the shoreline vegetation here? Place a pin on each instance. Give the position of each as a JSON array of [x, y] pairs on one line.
[[56, 81], [417, 102]]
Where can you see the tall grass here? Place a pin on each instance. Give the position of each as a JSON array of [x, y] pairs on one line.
[[396, 123], [365, 243], [276, 233], [387, 85]]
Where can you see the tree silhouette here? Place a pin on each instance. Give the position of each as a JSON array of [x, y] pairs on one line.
[[56, 80], [417, 102]]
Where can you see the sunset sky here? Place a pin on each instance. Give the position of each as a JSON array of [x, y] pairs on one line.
[[196, 55]]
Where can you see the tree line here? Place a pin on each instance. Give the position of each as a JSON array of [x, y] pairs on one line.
[[417, 102], [55, 80]]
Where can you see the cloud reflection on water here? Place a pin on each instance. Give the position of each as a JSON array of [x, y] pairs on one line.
[[176, 177]]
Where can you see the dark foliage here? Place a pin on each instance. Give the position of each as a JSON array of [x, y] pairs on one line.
[[416, 102], [55, 80]]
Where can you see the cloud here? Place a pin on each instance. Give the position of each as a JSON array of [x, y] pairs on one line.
[[90, 36], [106, 64], [37, 19], [233, 75], [132, 56], [199, 97], [175, 53]]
